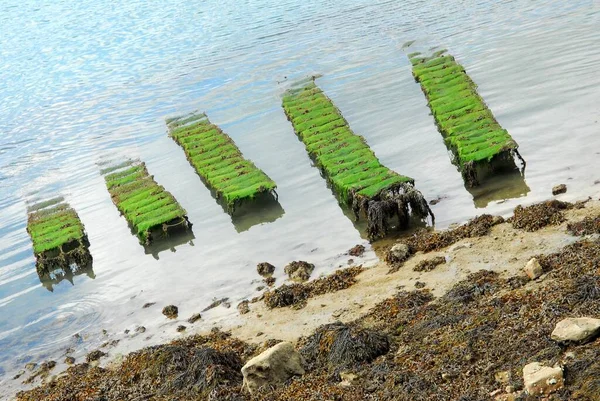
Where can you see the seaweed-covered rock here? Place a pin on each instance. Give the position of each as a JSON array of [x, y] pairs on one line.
[[341, 345], [429, 264], [194, 318], [587, 226], [273, 367], [265, 269], [299, 270], [244, 307], [357, 250], [95, 355], [295, 295], [535, 217], [559, 189], [578, 330], [170, 311]]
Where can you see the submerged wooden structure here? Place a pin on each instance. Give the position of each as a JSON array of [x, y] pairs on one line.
[[58, 236], [149, 209], [218, 161], [344, 158], [479, 144]]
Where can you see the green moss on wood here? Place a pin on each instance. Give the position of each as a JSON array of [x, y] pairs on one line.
[[52, 227], [218, 160], [468, 126], [348, 163], [145, 205], [58, 236]]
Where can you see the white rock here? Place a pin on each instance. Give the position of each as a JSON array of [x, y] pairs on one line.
[[578, 330], [273, 367], [541, 379], [533, 269]]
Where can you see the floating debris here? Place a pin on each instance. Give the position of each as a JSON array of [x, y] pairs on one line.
[[356, 175], [59, 239], [479, 144], [219, 162], [147, 206]]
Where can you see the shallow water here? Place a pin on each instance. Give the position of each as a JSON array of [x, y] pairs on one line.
[[83, 83]]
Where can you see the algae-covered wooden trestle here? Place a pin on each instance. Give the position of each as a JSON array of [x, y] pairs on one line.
[[150, 210], [59, 238], [233, 179], [344, 158], [479, 144]]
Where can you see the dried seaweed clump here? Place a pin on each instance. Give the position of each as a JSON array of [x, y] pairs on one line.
[[58, 236], [587, 226], [296, 294], [193, 368], [218, 161], [540, 215], [428, 241], [339, 345], [469, 128], [345, 159], [147, 206], [429, 264]]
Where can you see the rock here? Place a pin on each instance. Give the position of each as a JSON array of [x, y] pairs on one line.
[[399, 253], [94, 356], [533, 269], [195, 317], [577, 330], [216, 302], [273, 367], [265, 269], [269, 281], [30, 366], [149, 304], [357, 250], [243, 307], [181, 328], [542, 380], [299, 271], [69, 360], [559, 189], [170, 311], [348, 379], [503, 377], [140, 329]]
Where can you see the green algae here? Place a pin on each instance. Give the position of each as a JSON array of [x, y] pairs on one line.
[[218, 161], [146, 206], [58, 235], [469, 128], [345, 159]]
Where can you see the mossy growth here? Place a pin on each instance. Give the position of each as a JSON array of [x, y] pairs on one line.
[[469, 128], [218, 161], [345, 159], [147, 206], [58, 236]]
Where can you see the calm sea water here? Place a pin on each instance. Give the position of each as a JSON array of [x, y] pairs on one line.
[[83, 82]]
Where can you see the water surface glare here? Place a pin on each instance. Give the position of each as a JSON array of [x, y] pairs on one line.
[[83, 82]]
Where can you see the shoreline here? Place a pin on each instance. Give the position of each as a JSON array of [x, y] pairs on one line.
[[504, 250]]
